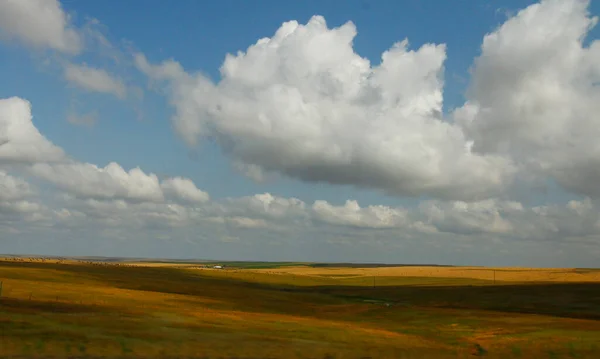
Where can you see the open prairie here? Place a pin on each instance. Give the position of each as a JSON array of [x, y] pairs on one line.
[[518, 275], [59, 308]]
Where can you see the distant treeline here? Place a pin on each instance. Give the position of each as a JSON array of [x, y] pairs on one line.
[[231, 264], [373, 265]]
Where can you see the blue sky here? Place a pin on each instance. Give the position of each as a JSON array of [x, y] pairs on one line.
[[420, 196]]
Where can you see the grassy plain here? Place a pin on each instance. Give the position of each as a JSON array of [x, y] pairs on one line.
[[57, 308], [502, 275]]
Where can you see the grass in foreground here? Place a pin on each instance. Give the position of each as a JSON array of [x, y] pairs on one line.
[[50, 309]]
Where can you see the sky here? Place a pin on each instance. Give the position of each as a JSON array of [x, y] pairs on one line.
[[433, 132]]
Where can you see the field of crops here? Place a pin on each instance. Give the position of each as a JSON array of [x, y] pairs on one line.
[[293, 310]]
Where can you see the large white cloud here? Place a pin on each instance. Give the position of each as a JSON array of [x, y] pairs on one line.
[[20, 140], [39, 23], [90, 181], [112, 196], [304, 104], [535, 95], [86, 180]]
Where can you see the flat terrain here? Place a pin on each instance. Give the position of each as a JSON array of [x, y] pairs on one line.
[[60, 308], [513, 275]]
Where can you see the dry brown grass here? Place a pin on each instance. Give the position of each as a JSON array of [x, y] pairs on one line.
[[522, 275], [54, 308]]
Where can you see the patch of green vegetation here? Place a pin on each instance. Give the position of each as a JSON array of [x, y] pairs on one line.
[[68, 348], [586, 270], [381, 281], [516, 351], [39, 345], [26, 349], [124, 346], [370, 265], [259, 265], [573, 351]]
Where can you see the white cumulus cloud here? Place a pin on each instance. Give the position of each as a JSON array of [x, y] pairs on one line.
[[266, 205], [459, 217], [184, 189], [13, 188], [18, 202], [20, 140], [90, 181], [304, 104], [535, 95], [22, 144], [39, 23], [351, 214]]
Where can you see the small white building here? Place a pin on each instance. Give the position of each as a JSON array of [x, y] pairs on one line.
[[218, 267]]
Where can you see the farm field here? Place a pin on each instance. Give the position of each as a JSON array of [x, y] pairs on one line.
[[61, 308], [501, 275]]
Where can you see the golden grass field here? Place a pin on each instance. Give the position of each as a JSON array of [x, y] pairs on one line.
[[52, 308], [519, 275]]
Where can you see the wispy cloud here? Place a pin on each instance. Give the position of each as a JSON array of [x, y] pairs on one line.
[[95, 80], [87, 119]]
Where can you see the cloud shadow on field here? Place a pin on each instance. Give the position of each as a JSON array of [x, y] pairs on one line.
[[566, 300]]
